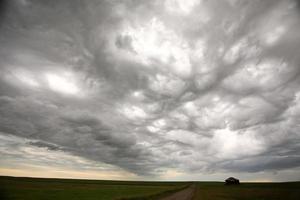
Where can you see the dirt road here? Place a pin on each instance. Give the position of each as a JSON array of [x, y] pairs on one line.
[[186, 194]]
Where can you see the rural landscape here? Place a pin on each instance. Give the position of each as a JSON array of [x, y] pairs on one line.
[[149, 100], [13, 188]]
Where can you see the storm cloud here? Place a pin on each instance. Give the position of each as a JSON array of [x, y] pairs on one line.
[[150, 88]]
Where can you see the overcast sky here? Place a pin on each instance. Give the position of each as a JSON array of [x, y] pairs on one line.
[[150, 90]]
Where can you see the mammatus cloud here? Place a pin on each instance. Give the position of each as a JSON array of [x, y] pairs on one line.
[[157, 89]]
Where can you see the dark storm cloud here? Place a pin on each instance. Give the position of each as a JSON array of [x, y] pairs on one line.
[[149, 86], [45, 145]]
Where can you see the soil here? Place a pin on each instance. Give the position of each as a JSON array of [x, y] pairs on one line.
[[186, 194]]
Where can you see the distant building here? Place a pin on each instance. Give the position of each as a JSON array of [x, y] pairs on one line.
[[232, 181]]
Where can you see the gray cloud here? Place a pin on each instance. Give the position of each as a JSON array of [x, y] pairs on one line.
[[153, 86]]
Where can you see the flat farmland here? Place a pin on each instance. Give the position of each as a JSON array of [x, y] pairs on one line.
[[12, 188], [247, 191]]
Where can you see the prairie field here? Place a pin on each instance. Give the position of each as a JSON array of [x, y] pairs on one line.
[[13, 188], [247, 191]]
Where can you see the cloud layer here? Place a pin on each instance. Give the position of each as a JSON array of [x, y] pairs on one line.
[[151, 87]]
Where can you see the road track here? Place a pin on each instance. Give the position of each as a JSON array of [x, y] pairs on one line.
[[185, 194]]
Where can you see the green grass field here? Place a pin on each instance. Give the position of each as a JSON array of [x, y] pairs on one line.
[[248, 191], [63, 189]]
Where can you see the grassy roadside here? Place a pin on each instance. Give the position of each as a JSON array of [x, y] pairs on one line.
[[158, 195]]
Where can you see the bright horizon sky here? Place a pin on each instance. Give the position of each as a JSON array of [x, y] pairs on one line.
[[150, 90]]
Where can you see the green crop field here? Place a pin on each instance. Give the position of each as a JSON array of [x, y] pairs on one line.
[[63, 189], [247, 191]]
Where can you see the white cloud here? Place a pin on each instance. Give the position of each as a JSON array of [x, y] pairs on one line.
[[63, 82], [181, 6], [26, 78], [167, 85], [234, 144], [264, 75], [153, 41], [133, 112]]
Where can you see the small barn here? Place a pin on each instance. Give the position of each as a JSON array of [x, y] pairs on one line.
[[232, 181]]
